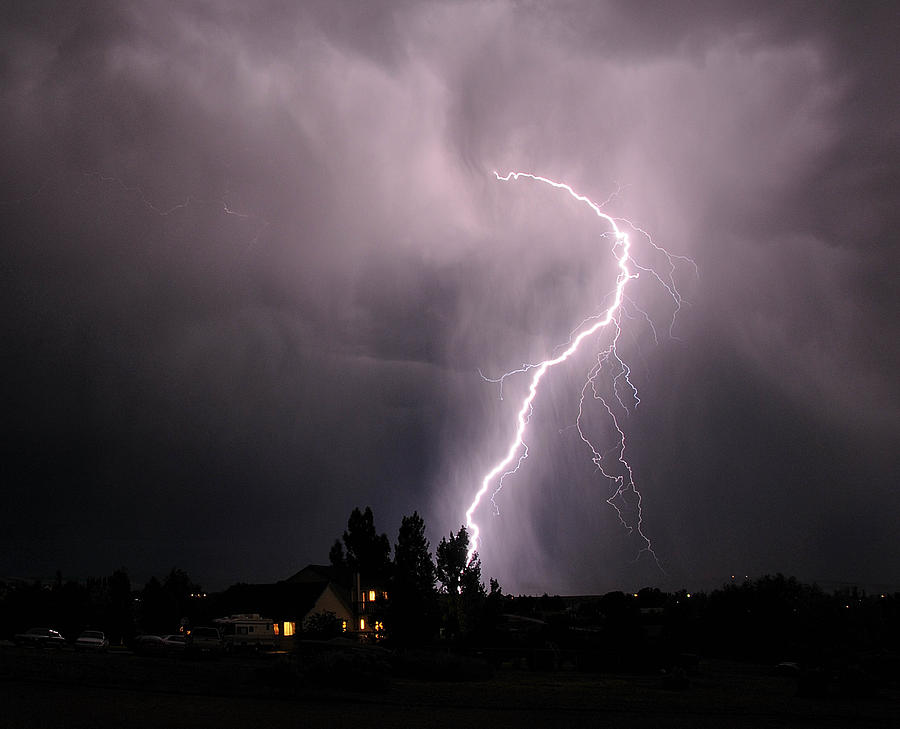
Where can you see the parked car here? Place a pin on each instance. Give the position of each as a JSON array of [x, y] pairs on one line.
[[148, 645], [173, 643], [40, 638], [203, 640], [91, 640], [788, 668]]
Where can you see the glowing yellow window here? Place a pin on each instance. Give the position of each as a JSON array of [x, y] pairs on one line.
[[371, 595], [276, 629], [289, 628], [362, 623]]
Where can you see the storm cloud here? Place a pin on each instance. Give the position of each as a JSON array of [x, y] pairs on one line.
[[255, 256]]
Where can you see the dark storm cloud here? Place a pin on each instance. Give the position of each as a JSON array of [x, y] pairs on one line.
[[253, 256]]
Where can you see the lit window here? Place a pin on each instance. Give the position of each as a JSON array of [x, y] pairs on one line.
[[384, 596], [289, 628], [371, 595], [362, 623], [276, 629]]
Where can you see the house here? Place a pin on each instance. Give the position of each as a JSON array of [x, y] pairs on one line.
[[358, 606], [292, 602], [366, 601]]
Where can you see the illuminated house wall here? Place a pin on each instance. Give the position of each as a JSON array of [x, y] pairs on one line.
[[370, 604], [330, 601]]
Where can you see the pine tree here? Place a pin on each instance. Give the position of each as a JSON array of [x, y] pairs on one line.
[[413, 596], [461, 581]]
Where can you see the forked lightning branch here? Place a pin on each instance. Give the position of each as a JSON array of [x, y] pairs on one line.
[[615, 467]]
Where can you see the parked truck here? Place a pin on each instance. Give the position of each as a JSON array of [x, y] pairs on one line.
[[203, 641]]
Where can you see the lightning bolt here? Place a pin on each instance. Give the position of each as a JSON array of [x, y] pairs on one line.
[[626, 498]]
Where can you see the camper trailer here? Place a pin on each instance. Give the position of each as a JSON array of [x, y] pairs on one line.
[[246, 632]]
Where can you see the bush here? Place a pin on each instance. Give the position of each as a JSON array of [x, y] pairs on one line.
[[322, 626]]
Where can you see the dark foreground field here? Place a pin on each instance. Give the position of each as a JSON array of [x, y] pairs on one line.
[[64, 689]]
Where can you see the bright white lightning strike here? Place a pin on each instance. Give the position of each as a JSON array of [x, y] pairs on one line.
[[517, 451]]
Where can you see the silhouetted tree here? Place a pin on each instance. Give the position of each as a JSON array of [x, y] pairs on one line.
[[178, 586], [365, 551], [494, 605], [164, 604], [119, 620], [460, 578], [451, 561], [73, 609], [155, 614], [336, 555], [651, 597], [413, 616]]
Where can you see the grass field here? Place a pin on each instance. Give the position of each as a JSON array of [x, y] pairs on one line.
[[63, 689]]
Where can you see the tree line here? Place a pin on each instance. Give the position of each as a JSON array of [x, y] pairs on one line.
[[431, 595], [103, 603], [439, 596]]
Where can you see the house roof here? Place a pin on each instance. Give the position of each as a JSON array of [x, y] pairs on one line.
[[278, 600], [320, 573], [292, 598], [343, 576]]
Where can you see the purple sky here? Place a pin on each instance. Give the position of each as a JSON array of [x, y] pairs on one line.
[[254, 256]]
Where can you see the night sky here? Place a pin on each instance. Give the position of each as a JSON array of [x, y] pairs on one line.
[[254, 256]]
